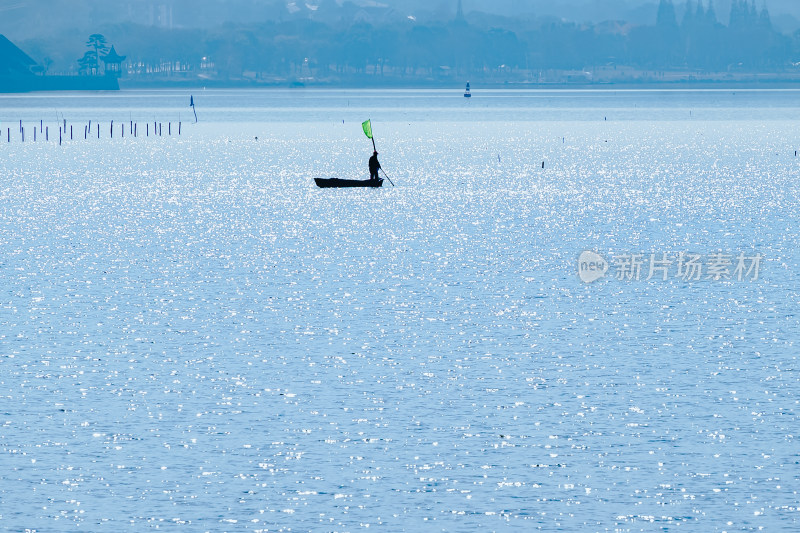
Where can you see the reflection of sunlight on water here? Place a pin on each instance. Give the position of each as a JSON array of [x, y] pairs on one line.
[[194, 332]]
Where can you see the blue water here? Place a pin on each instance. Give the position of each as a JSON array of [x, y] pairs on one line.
[[194, 337]]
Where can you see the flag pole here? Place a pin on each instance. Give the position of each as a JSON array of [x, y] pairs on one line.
[[384, 172], [387, 177], [367, 127]]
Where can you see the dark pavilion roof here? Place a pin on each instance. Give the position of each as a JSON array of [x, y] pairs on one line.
[[113, 57]]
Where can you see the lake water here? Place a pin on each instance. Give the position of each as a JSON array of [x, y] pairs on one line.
[[194, 337]]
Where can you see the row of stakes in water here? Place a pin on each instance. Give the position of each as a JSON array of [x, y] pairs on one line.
[[89, 131]]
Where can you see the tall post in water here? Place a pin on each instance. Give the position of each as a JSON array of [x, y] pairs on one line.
[[111, 130], [98, 130], [47, 133]]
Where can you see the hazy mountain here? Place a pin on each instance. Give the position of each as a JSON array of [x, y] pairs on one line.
[[340, 38], [23, 19]]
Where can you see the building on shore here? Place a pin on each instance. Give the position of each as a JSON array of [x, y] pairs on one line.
[[13, 61], [113, 63], [19, 73]]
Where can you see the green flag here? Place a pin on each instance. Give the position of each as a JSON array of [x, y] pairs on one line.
[[367, 128]]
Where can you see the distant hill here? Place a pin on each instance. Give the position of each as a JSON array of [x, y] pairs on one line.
[[376, 41], [22, 20]]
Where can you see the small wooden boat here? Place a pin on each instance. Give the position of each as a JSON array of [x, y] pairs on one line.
[[336, 182]]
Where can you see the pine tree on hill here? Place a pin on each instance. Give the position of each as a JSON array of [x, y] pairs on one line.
[[666, 15], [700, 13], [711, 14], [689, 15], [764, 19]]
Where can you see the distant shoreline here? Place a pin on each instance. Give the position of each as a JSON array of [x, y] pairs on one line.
[[55, 85], [35, 84], [770, 81]]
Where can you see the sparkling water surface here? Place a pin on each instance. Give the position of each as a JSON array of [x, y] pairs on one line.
[[195, 337]]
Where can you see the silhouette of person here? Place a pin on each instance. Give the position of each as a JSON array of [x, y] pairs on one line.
[[374, 165]]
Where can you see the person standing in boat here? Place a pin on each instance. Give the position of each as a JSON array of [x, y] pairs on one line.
[[374, 165]]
